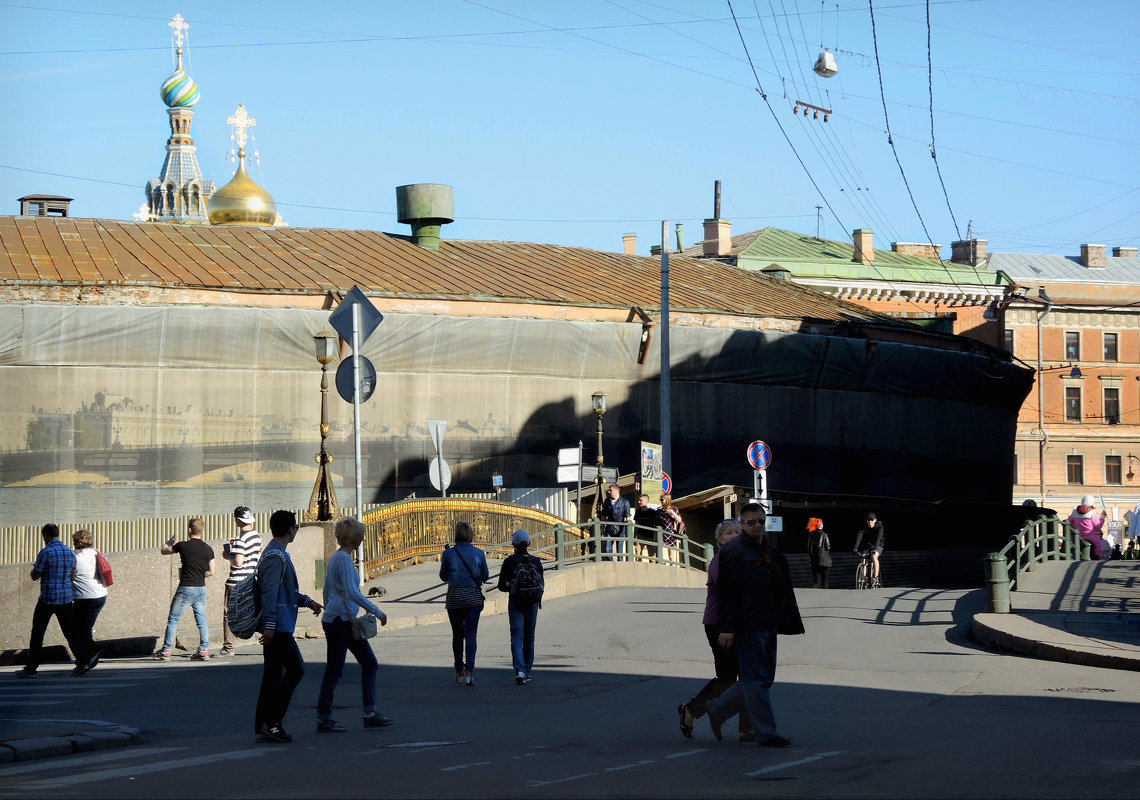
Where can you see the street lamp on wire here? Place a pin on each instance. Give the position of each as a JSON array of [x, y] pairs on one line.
[[322, 505], [599, 400]]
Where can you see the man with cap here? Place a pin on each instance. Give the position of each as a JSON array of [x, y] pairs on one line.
[[242, 551], [871, 538], [521, 576]]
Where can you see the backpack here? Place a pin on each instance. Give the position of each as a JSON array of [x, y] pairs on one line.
[[244, 610], [527, 584], [103, 569]]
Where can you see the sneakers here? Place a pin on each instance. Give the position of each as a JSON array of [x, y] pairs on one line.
[[273, 733], [200, 655], [377, 721], [775, 741], [91, 662], [464, 677], [80, 670], [330, 726], [161, 655], [520, 677], [226, 651], [26, 672]]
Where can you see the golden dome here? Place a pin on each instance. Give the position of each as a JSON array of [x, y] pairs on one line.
[[242, 202]]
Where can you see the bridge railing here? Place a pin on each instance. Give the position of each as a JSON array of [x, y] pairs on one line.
[[1039, 540]]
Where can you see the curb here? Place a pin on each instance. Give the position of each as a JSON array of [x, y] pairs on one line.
[[48, 746], [988, 634]]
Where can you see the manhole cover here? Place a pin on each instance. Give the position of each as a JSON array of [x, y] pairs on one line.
[[1081, 689]]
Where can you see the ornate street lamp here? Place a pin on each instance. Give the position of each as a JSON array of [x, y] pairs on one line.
[[599, 399], [322, 505]]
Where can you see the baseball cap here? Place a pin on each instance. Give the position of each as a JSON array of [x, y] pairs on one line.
[[243, 515], [520, 537]]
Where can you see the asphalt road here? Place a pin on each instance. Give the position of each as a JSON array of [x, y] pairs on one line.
[[886, 696]]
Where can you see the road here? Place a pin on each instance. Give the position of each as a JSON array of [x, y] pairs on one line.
[[886, 696]]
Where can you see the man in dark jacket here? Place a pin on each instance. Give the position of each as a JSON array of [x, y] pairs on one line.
[[756, 601], [615, 508]]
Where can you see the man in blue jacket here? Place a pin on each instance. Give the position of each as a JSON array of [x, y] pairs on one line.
[[756, 601], [280, 600]]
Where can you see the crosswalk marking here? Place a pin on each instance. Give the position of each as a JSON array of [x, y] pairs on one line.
[[119, 754], [787, 764], [141, 769]]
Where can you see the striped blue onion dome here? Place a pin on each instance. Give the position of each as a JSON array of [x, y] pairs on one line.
[[180, 90]]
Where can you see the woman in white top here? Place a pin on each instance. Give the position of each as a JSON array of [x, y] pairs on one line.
[[90, 597], [342, 598]]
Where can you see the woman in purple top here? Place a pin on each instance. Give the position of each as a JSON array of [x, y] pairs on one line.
[[725, 663]]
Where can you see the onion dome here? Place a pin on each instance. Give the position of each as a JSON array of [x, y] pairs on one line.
[[180, 90], [242, 201]]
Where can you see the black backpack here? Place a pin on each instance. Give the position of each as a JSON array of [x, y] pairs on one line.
[[527, 584]]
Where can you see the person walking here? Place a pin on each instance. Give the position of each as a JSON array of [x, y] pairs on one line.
[[725, 665], [281, 598], [464, 569], [53, 569], [90, 596], [819, 553], [342, 598], [197, 565], [615, 510], [243, 552], [756, 602], [521, 577], [1088, 524]]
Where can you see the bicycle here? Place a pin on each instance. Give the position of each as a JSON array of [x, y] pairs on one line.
[[865, 572]]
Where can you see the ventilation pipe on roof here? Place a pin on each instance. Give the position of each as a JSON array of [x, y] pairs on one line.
[[629, 243], [718, 232], [680, 237], [427, 207]]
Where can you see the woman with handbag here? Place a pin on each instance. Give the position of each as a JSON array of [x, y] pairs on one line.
[[464, 569], [90, 591], [344, 632]]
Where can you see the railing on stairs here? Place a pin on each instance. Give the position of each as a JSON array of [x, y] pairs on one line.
[[1040, 540]]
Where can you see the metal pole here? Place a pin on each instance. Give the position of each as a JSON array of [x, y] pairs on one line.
[[579, 496], [666, 403], [1041, 406], [356, 426], [598, 479]]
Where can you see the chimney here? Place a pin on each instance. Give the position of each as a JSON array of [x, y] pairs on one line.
[[969, 251], [718, 232], [1125, 252], [864, 247], [918, 249], [629, 243], [1092, 256], [427, 207]]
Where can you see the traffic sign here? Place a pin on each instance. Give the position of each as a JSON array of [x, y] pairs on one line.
[[344, 379], [439, 474], [369, 317], [590, 474], [496, 479], [568, 456], [759, 455], [666, 483]]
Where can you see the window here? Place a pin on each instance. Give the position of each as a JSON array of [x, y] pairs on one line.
[[1075, 469], [1112, 471], [1073, 345], [1110, 352], [1072, 404], [1007, 340], [1112, 405]]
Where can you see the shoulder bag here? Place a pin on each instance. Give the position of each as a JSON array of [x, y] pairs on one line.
[[363, 627]]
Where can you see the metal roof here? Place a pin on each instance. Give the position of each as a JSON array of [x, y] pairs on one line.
[[1032, 267], [74, 250]]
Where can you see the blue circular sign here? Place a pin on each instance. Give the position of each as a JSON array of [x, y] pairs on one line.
[[759, 455], [666, 483]]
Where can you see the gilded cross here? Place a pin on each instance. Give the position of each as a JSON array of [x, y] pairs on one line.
[[178, 24], [241, 120]]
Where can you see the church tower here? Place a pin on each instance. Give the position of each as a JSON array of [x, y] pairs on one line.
[[179, 193]]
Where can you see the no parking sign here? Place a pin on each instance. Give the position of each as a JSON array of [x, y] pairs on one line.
[[666, 483]]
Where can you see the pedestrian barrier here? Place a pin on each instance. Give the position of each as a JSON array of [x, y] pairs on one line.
[[1039, 540]]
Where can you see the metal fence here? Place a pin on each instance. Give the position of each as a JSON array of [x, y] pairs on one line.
[[1040, 540]]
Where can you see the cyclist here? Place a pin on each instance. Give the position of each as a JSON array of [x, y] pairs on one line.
[[872, 537]]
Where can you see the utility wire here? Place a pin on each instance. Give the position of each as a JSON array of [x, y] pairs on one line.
[[933, 151]]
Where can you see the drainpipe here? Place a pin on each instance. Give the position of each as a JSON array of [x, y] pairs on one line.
[[1041, 403]]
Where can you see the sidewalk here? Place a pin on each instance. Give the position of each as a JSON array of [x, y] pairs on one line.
[[1078, 612]]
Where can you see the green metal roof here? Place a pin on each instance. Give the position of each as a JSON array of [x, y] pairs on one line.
[[810, 257]]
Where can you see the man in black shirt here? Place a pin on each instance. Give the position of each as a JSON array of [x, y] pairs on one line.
[[197, 565], [871, 538]]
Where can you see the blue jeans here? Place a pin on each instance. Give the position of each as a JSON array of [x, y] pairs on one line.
[[522, 619], [188, 596], [464, 628], [338, 642], [756, 652], [614, 545]]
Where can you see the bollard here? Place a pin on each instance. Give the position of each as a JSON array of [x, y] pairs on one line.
[[597, 537], [997, 584], [559, 547]]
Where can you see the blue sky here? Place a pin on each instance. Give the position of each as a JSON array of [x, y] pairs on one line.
[[575, 122]]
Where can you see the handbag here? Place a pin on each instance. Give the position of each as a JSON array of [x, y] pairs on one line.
[[478, 583], [363, 627], [103, 569]]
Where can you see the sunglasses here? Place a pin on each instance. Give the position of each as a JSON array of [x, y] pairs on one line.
[[753, 522]]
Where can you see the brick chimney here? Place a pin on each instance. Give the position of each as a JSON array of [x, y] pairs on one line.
[[969, 251], [918, 249], [629, 243], [1092, 256], [864, 246], [718, 237], [1125, 252]]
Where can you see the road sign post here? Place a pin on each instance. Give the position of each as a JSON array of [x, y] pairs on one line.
[[760, 457]]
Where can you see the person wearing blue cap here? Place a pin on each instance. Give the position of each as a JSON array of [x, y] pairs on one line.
[[521, 577]]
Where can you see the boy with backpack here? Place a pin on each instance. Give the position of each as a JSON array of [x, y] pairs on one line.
[[521, 576]]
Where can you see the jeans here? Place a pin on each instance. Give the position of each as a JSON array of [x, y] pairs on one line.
[[188, 596], [338, 642], [40, 618], [86, 612], [464, 627], [614, 545], [280, 677], [756, 653], [522, 619]]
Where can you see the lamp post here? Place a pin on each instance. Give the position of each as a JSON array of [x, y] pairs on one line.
[[1044, 440], [599, 400], [322, 505]]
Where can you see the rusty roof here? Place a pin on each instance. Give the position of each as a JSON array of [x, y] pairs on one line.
[[84, 251]]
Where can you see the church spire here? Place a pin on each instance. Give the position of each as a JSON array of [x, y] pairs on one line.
[[179, 193]]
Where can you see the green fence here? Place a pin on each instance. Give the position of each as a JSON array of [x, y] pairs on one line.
[[1040, 540]]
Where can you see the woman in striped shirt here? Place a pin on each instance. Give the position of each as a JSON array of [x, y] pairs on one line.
[[464, 569]]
